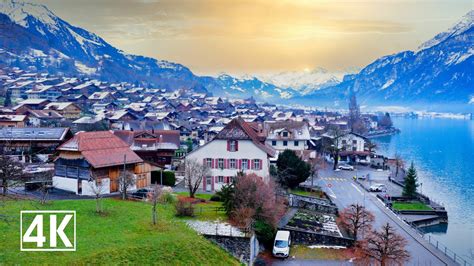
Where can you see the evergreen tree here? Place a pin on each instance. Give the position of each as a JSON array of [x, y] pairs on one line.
[[411, 182], [8, 98], [291, 169]]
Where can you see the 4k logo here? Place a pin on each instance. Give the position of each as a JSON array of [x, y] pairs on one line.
[[48, 230]]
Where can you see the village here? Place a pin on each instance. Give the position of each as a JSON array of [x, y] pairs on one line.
[[315, 170]]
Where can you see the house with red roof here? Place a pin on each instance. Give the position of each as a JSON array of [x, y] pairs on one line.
[[100, 156], [238, 147]]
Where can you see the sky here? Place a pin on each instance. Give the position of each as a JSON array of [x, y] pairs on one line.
[[263, 36]]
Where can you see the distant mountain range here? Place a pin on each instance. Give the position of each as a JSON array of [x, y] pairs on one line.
[[439, 75], [440, 71]]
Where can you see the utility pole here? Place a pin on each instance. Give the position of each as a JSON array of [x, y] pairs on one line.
[[161, 176]]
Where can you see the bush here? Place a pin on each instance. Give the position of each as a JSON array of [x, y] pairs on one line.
[[215, 197], [227, 197], [184, 208], [167, 197], [265, 233], [169, 178]]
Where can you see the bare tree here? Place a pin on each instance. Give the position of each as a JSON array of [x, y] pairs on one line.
[[385, 246], [98, 189], [333, 146], [45, 185], [317, 164], [194, 173], [371, 146], [125, 181], [11, 173], [399, 164], [355, 218], [154, 197]]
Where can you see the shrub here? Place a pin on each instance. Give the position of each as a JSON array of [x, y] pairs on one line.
[[167, 197], [227, 197], [215, 197], [184, 208], [169, 178], [265, 233]]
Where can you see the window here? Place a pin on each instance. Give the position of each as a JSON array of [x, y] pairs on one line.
[[274, 143], [232, 145], [232, 164], [220, 163], [354, 148], [209, 162], [256, 164], [285, 134], [231, 178], [344, 141], [297, 143], [285, 143], [354, 142], [245, 164], [220, 179]]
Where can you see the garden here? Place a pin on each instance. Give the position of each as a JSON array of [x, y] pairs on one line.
[[410, 206]]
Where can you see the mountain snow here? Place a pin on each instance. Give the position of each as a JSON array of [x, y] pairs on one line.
[[461, 26]]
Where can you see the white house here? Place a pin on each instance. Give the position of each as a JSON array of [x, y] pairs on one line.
[[352, 148], [287, 135], [238, 147]]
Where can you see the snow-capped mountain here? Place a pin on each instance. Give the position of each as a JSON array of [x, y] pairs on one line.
[[439, 73], [35, 38], [303, 82], [247, 86]]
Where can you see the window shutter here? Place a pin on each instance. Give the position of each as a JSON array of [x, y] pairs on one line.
[[204, 183], [226, 163], [212, 182], [240, 164], [213, 163], [228, 145], [260, 164], [204, 161], [236, 145], [251, 164]]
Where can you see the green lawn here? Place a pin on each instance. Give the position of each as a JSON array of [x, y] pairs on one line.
[[306, 253], [409, 206], [197, 195], [206, 210], [125, 235], [301, 192]]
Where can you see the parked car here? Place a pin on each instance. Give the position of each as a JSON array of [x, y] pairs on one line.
[[346, 167], [281, 246], [378, 188], [142, 193]]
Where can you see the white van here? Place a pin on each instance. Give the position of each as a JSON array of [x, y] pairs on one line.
[[281, 246]]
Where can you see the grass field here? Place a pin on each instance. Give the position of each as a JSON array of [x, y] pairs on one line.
[[301, 192], [409, 206], [124, 235], [304, 252]]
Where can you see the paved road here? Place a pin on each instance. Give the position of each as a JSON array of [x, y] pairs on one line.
[[343, 191]]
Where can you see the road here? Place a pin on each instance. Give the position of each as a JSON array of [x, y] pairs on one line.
[[343, 191]]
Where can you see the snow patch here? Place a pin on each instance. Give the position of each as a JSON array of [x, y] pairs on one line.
[[387, 84], [84, 69], [323, 246]]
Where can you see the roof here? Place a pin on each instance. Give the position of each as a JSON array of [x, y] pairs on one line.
[[298, 130], [238, 129], [156, 139], [30, 133], [58, 105], [51, 114], [12, 118], [101, 149]]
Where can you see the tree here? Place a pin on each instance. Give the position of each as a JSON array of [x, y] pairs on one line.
[[154, 197], [385, 121], [125, 181], [355, 218], [354, 111], [226, 195], [399, 164], [8, 98], [98, 189], [316, 164], [332, 146], [45, 187], [371, 146], [11, 173], [291, 169], [385, 246], [194, 173], [411, 182]]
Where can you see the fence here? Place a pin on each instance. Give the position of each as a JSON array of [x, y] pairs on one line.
[[441, 247]]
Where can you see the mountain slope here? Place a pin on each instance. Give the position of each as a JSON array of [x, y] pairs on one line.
[[439, 73], [35, 38]]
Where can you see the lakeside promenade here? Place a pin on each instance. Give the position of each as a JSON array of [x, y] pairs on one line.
[[344, 191]]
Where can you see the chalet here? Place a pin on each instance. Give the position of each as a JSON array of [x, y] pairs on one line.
[[101, 97], [12, 120], [30, 104], [155, 146], [287, 135], [41, 91], [237, 147], [351, 147], [98, 158], [66, 109], [29, 143], [43, 117]]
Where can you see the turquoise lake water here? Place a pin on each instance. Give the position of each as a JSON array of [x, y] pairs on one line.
[[443, 153]]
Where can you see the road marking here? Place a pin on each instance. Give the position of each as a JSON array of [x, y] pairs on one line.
[[357, 188], [332, 193]]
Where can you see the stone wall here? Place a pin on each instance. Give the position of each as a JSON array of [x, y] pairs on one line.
[[301, 237], [312, 204], [239, 247]]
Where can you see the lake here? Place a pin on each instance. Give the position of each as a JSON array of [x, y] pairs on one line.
[[442, 151]]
